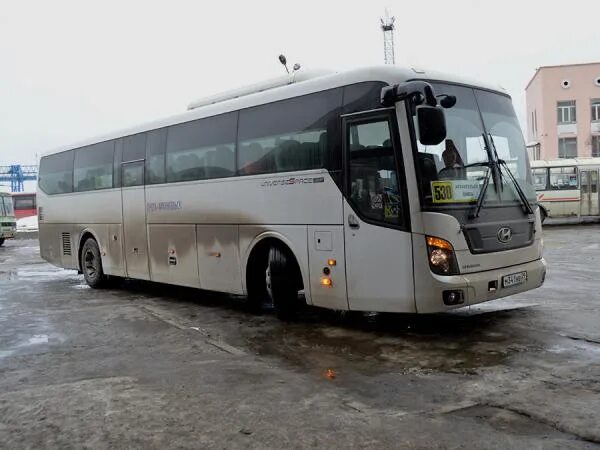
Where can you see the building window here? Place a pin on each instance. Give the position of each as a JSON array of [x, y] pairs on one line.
[[567, 147], [566, 112], [596, 146], [596, 110], [532, 125]]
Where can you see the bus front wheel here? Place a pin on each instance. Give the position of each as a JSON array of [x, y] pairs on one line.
[[282, 283], [1, 241], [91, 265]]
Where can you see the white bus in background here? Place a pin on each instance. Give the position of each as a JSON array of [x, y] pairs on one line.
[[330, 186], [8, 223], [567, 188]]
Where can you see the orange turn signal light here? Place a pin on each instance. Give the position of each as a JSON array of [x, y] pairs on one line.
[[331, 262], [325, 281], [439, 243]]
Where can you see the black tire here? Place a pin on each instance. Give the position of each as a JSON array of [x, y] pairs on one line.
[[258, 298], [282, 281], [1, 241], [91, 265]]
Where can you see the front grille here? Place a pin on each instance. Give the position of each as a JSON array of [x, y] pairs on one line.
[[483, 238], [9, 224]]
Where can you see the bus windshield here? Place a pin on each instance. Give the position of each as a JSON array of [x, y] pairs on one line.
[[480, 126], [6, 206]]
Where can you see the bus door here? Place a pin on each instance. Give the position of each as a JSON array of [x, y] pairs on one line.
[[378, 243], [589, 193], [134, 220]]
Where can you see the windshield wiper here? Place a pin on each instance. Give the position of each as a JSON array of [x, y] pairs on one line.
[[520, 193], [522, 196], [491, 164], [477, 164], [486, 182]]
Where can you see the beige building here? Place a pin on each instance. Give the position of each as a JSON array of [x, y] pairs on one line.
[[563, 111]]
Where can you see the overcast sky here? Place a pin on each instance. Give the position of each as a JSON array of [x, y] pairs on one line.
[[69, 70]]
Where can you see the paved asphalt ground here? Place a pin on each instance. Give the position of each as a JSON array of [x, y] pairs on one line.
[[147, 365]]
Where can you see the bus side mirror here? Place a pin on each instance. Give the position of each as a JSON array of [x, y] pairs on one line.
[[432, 124]]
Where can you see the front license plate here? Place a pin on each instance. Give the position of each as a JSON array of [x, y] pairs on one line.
[[514, 279]]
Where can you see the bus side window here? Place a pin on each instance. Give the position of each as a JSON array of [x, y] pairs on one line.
[[155, 156], [540, 179], [562, 178]]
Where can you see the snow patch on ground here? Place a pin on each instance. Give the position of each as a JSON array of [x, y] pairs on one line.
[[27, 224]]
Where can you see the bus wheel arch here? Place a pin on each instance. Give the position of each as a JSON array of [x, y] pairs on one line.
[[270, 258], [543, 213], [90, 261], [85, 235]]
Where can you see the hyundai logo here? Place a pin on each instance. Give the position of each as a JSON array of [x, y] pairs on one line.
[[504, 235]]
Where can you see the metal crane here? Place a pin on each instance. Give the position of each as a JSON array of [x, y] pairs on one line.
[[17, 174]]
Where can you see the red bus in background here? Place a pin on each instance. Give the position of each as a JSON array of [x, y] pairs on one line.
[[25, 204]]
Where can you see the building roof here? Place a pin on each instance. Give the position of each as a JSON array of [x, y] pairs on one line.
[[538, 69]]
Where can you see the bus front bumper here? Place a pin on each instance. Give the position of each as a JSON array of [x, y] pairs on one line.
[[478, 287], [7, 233]]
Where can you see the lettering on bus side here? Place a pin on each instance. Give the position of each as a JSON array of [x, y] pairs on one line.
[[172, 205], [292, 181]]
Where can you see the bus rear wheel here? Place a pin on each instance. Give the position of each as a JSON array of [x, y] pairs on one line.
[[282, 283], [91, 265]]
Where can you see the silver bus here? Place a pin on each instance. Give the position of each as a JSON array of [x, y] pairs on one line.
[[377, 189]]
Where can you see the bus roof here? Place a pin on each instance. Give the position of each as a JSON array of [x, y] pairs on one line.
[[304, 84], [564, 162]]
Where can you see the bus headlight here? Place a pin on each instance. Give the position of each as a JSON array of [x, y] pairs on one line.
[[442, 260]]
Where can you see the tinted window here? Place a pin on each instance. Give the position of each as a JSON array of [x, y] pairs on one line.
[[133, 174], [117, 163], [56, 173], [362, 96], [374, 188], [134, 147], [202, 149], [155, 156], [288, 135], [94, 167]]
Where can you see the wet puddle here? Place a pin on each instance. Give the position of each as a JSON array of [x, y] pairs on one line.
[[441, 343]]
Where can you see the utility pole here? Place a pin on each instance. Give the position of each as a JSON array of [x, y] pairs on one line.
[[387, 26]]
